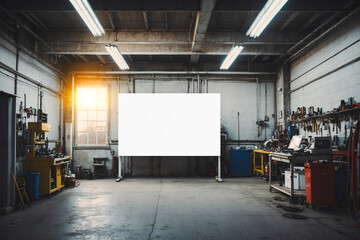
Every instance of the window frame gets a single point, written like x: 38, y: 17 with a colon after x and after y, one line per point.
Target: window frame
x: 76, y: 118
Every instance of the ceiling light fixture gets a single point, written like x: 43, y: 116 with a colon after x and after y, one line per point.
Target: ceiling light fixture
x: 232, y: 55
x: 271, y: 8
x: 116, y: 55
x: 88, y: 16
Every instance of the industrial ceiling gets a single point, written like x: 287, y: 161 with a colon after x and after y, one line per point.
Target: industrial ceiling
x: 184, y: 35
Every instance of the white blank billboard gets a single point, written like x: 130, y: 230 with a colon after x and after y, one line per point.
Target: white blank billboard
x: 169, y: 124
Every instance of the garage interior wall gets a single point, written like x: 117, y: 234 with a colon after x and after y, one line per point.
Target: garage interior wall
x: 45, y: 76
x: 329, y: 72
x: 237, y: 95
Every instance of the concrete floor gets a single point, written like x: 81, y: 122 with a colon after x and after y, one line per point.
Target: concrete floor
x: 241, y: 208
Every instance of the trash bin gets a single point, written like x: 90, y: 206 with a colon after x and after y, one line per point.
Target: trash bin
x: 32, y: 184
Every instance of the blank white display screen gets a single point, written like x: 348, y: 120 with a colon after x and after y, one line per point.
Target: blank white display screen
x: 169, y: 124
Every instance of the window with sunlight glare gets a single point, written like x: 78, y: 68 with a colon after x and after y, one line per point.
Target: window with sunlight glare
x: 92, y: 116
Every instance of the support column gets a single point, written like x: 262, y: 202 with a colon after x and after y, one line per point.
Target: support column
x: 286, y: 85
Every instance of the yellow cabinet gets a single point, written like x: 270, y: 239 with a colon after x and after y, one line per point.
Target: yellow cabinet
x: 52, y: 170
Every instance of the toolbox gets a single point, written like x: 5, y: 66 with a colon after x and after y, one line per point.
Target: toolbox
x: 320, y: 183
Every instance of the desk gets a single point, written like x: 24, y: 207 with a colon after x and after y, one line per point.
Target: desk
x: 292, y: 160
x: 259, y: 168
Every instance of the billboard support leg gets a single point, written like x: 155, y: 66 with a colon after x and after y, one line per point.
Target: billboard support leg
x: 120, y: 177
x: 218, y: 178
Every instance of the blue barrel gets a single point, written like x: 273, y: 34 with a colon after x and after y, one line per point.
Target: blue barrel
x: 32, y: 184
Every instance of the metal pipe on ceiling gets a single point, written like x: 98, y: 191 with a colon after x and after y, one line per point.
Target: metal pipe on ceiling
x: 206, y: 86
x: 192, y: 83
x: 164, y: 78
x: 302, y: 41
x: 201, y: 78
x: 322, y: 62
x: 159, y: 78
x: 27, y: 52
x: 171, y: 72
x: 292, y: 57
x: 239, y: 79
x: 13, y: 71
x: 326, y: 74
x: 32, y: 33
x: 198, y: 83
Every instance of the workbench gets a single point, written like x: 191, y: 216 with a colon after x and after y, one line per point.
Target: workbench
x: 52, y: 172
x: 293, y: 159
x: 52, y: 169
x: 259, y: 168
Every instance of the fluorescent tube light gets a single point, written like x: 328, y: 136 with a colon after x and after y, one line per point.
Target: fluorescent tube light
x: 88, y: 16
x: 271, y: 8
x: 116, y: 55
x: 232, y: 55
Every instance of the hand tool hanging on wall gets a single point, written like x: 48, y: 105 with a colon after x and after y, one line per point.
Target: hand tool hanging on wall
x: 321, y: 128
x: 345, y: 139
x: 303, y: 112
x: 342, y: 105
x: 339, y: 124
x: 309, y: 127
x: 313, y: 126
x: 336, y: 126
x: 311, y: 111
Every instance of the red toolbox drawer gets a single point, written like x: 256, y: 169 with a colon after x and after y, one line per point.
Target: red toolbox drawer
x: 320, y: 183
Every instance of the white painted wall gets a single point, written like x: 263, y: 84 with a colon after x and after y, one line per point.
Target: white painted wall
x: 240, y: 96
x: 340, y: 47
x: 236, y: 96
x: 37, y: 71
x: 342, y: 84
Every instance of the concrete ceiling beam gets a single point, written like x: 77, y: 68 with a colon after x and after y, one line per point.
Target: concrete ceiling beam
x: 201, y: 24
x: 111, y: 21
x: 146, y: 21
x: 84, y: 58
x: 174, y: 66
x: 136, y: 49
x: 289, y: 20
x: 101, y: 58
x: 166, y: 21
x: 118, y: 38
x: 309, y: 21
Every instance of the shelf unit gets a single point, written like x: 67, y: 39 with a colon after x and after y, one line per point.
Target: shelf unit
x: 327, y: 115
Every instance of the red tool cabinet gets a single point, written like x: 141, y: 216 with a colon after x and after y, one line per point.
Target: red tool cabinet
x: 320, y: 183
